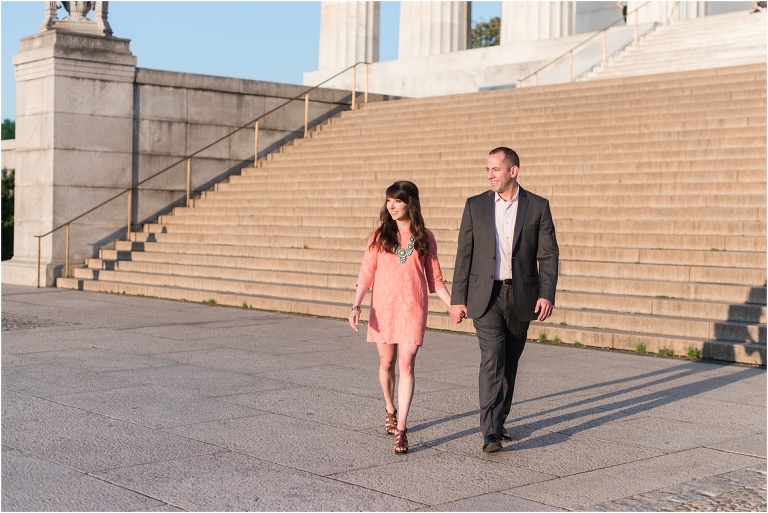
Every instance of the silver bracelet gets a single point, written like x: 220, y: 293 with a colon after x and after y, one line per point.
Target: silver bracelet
x: 356, y: 308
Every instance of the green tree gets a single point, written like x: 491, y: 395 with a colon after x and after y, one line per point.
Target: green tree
x: 6, y: 205
x: 8, y: 129
x: 486, y: 34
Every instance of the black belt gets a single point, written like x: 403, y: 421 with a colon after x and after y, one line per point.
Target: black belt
x: 502, y: 282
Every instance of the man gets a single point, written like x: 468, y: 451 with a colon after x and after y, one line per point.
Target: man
x: 503, y: 233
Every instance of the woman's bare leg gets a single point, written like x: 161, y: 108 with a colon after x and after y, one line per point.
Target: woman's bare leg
x: 387, y: 359
x: 407, y: 361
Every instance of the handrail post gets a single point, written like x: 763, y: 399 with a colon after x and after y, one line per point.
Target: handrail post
x: 255, y: 143
x: 354, y: 76
x: 605, y: 46
x: 536, y: 79
x: 365, y: 99
x: 636, y: 22
x: 130, y: 215
x: 66, y: 255
x: 38, y: 260
x: 570, y: 66
x: 306, y: 114
x: 189, y: 177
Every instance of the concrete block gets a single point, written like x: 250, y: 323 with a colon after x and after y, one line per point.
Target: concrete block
x: 160, y: 137
x: 159, y: 103
x: 85, y: 132
x: 214, y: 108
x: 201, y: 135
x: 93, y: 97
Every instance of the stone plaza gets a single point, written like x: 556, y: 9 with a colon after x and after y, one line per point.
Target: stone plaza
x: 113, y: 402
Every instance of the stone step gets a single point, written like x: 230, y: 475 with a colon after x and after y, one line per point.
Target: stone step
x: 660, y: 128
x: 329, y: 292
x: 685, y: 191
x: 579, y: 227
x: 343, y: 275
x: 666, y: 172
x: 364, y: 207
x: 749, y: 353
x: 641, y: 285
x: 169, y: 252
x: 673, y: 274
x: 605, y: 240
x: 606, y: 213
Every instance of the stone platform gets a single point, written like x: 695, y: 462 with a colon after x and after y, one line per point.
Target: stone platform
x: 114, y: 402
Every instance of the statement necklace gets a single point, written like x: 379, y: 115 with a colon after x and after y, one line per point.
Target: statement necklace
x: 405, y: 252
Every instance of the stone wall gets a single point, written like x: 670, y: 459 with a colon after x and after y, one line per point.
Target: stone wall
x: 8, y: 157
x: 90, y: 124
x: 176, y: 114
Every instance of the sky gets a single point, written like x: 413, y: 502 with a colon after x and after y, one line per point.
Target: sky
x: 271, y: 41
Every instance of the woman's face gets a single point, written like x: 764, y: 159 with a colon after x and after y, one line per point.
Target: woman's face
x: 397, y: 209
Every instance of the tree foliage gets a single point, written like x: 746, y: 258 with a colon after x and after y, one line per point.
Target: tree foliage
x: 486, y: 34
x: 6, y: 205
x: 8, y: 129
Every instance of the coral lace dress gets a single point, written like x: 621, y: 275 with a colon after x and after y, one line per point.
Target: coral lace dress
x: 399, y: 298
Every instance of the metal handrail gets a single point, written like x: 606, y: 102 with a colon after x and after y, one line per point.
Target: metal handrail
x: 603, y: 31
x: 188, y: 158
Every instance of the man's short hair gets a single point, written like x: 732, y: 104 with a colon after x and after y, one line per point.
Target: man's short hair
x: 510, y: 156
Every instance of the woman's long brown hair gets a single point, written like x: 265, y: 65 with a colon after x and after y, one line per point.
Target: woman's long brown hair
x: 385, y: 236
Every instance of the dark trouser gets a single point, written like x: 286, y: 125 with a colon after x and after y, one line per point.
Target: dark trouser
x: 502, y: 339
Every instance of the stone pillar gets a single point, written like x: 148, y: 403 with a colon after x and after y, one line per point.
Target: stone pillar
x: 431, y: 28
x: 349, y: 33
x: 74, y: 126
x: 534, y: 21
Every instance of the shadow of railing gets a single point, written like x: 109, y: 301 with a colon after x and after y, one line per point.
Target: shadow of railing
x: 601, y: 408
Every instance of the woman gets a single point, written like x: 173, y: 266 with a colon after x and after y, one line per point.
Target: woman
x: 401, y: 258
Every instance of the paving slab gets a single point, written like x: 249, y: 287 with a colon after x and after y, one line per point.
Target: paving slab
x: 229, y: 481
x: 301, y: 444
x: 329, y: 406
x: 21, y: 408
x: 176, y: 406
x: 235, y: 360
x: 200, y: 381
x: 94, y: 442
x: 153, y: 406
x: 46, y: 380
x: 491, y: 502
x: 580, y: 491
x: 416, y: 478
x: 665, y: 435
x: 32, y: 484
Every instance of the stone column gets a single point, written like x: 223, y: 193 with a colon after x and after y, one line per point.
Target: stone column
x: 74, y: 126
x: 534, y: 21
x: 431, y: 28
x: 349, y: 33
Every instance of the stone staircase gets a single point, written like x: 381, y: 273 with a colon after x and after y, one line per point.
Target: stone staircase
x: 731, y: 39
x: 657, y: 186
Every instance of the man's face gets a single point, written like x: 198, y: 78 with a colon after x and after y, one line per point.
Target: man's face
x: 503, y: 179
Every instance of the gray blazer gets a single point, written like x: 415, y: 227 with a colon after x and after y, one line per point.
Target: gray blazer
x: 534, y: 240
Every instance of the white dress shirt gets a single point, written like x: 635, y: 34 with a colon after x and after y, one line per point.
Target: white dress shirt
x: 505, y: 216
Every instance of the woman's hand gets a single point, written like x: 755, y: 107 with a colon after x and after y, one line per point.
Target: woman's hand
x: 354, y: 318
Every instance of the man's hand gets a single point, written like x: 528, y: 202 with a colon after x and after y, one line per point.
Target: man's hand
x: 458, y: 312
x: 543, y: 308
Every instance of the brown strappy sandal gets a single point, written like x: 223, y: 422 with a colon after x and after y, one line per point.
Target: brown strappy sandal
x: 390, y: 424
x: 401, y: 441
